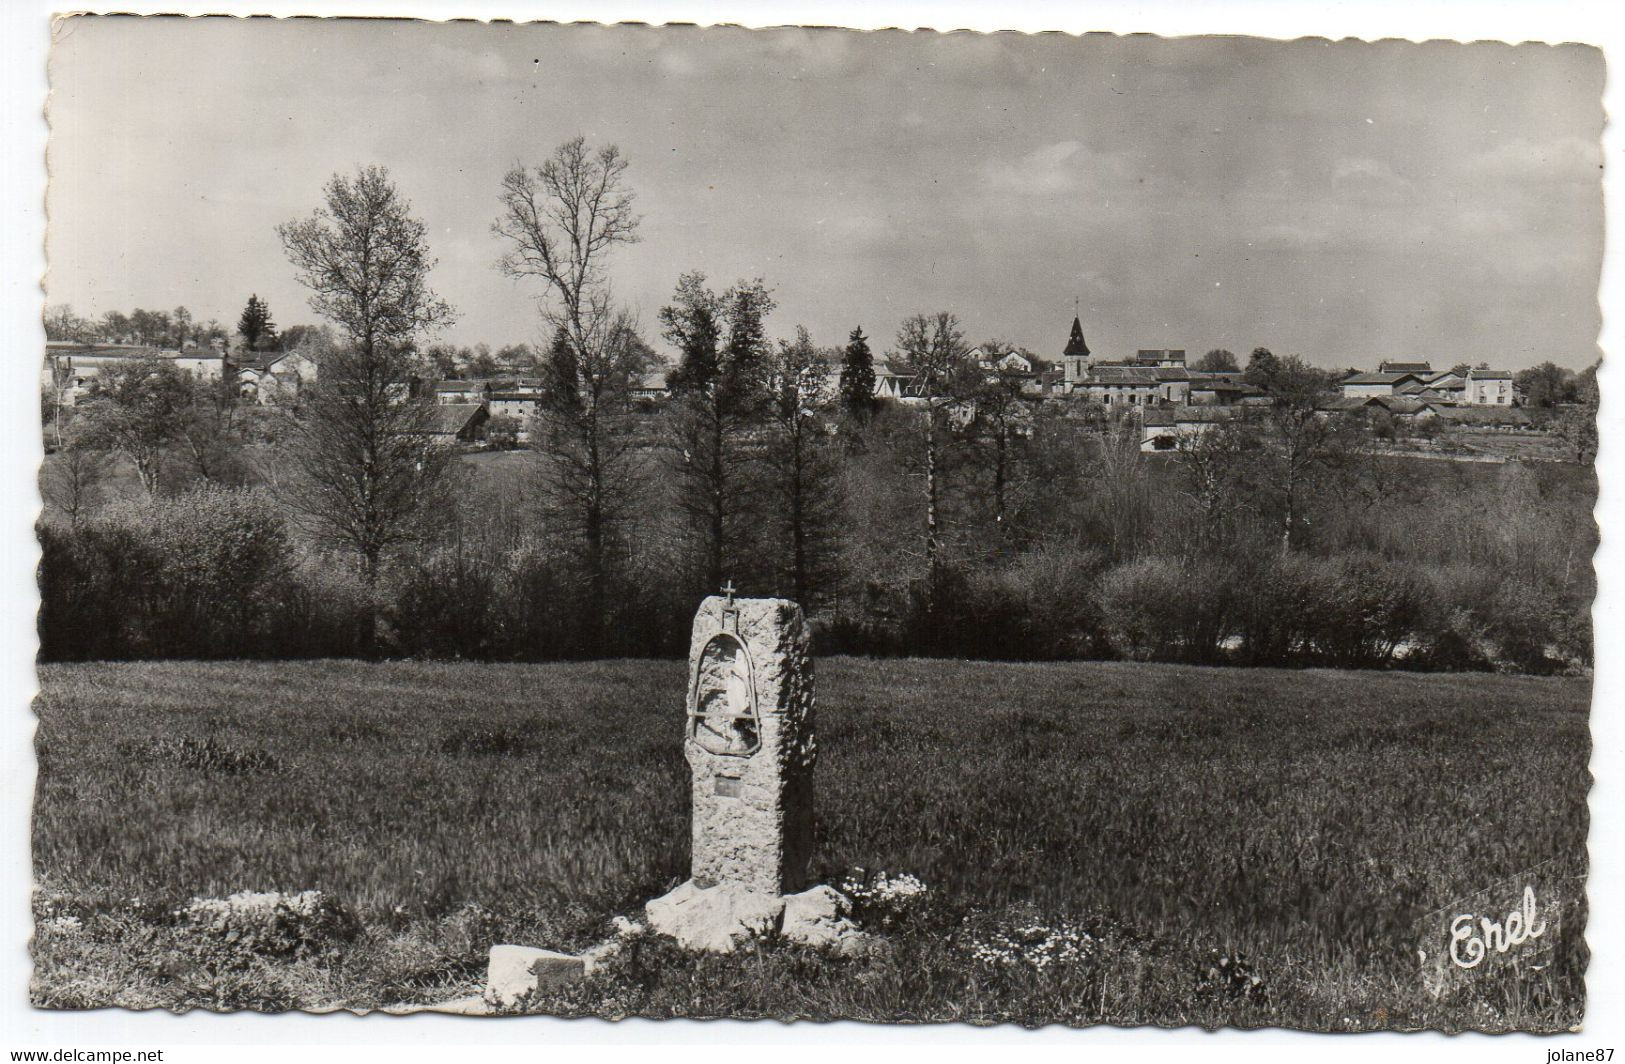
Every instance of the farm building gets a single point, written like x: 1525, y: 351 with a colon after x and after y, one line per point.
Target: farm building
x: 1360, y: 385
x: 1171, y: 428
x: 453, y: 423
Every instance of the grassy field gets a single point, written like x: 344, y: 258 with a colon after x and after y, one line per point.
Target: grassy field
x: 1165, y: 814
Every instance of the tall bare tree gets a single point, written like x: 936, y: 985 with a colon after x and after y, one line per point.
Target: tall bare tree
x: 369, y: 475
x: 1301, y: 439
x: 932, y: 349
x: 560, y: 222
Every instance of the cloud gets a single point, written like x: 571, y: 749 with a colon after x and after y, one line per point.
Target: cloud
x: 1563, y: 159
x: 1283, y: 235
x: 1050, y: 170
x: 1366, y: 180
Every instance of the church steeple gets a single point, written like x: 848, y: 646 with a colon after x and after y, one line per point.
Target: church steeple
x: 1075, y: 347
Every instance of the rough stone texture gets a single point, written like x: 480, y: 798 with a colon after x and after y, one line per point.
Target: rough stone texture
x: 714, y: 919
x: 819, y: 917
x: 752, y: 780
x: 514, y: 971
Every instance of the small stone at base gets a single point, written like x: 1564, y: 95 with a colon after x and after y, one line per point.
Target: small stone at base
x: 514, y: 971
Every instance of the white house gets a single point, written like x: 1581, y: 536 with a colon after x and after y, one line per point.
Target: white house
x: 1173, y: 428
x: 1488, y: 387
x: 889, y: 383
x: 70, y: 366
x: 1011, y: 361
x: 275, y: 378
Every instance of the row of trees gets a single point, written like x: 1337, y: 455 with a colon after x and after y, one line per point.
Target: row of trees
x: 925, y: 528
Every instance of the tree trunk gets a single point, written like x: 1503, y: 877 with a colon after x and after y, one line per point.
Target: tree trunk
x: 798, y: 531
x: 718, y: 506
x: 1000, y: 459
x: 931, y: 488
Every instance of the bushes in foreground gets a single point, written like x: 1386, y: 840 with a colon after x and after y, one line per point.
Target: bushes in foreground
x: 1347, y: 611
x: 218, y: 574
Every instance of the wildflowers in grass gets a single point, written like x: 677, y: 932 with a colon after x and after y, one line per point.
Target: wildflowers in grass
x: 1229, y: 977
x: 881, y: 900
x: 270, y: 922
x: 1036, y: 945
x: 63, y: 925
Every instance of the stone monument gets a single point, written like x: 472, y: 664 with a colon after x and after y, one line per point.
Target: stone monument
x: 749, y: 743
x: 748, y: 739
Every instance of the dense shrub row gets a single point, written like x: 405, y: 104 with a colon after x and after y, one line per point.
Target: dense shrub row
x: 1095, y: 551
x: 217, y: 574
x: 1352, y: 611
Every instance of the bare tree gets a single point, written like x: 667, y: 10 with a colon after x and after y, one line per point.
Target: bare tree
x: 932, y: 348
x: 560, y: 221
x: 1216, y: 459
x: 369, y: 476
x: 999, y: 418
x: 73, y: 478
x: 138, y: 408
x: 1301, y: 438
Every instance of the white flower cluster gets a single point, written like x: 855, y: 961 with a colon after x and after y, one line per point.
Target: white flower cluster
x: 882, y: 888
x: 1037, y: 945
x: 63, y: 925
x: 247, y: 906
x: 270, y: 921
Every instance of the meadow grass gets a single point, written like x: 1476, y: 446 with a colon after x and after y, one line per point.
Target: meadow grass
x: 1302, y: 819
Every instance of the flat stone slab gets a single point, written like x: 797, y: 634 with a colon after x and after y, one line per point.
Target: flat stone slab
x: 515, y: 971
x: 715, y: 919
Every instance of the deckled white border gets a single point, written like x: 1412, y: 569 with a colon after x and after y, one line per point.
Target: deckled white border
x: 23, y: 44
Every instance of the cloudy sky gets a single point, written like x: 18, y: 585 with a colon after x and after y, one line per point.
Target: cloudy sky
x: 1343, y: 201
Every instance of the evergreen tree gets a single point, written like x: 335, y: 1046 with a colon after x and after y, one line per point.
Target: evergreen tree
x: 719, y: 396
x: 255, y: 326
x: 858, y: 375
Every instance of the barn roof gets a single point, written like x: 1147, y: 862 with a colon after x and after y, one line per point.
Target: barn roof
x: 449, y: 419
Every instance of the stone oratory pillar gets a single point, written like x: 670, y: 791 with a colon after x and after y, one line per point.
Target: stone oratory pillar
x: 749, y: 744
x: 748, y: 738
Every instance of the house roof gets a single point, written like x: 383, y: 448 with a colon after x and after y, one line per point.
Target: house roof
x: 449, y: 419
x: 1075, y: 347
x: 1404, y: 367
x: 1165, y: 416
x: 1377, y: 378
x: 1136, y: 375
x: 1397, y: 404
x: 1344, y: 402
x: 1202, y: 384
x: 1483, y: 415
x: 1161, y: 354
x: 1489, y: 375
